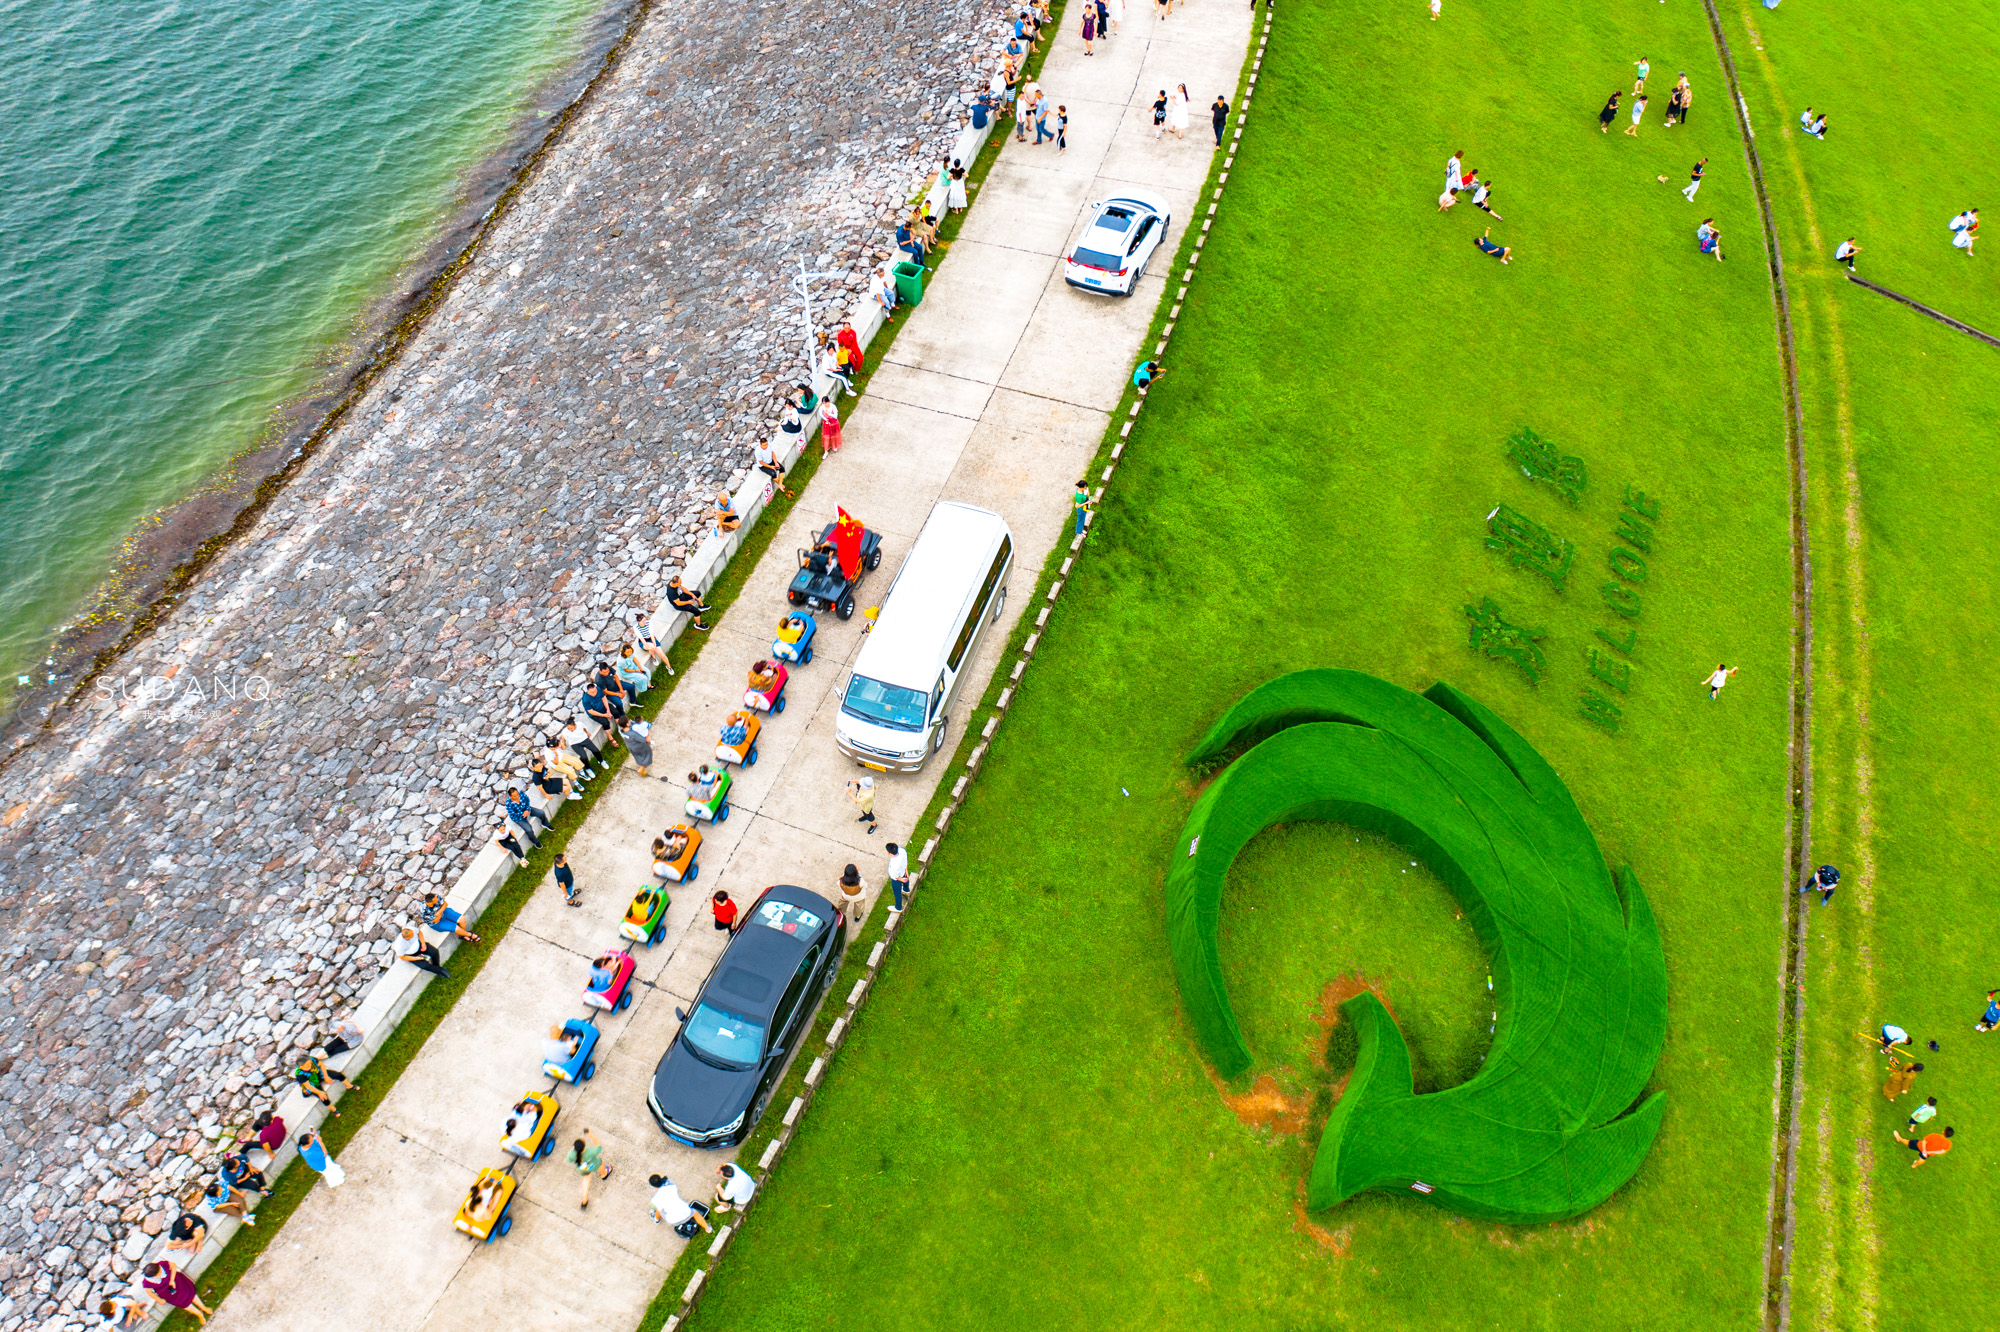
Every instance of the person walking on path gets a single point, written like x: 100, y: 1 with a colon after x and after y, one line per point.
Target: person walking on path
x: 862, y: 792
x: 566, y: 880
x: 175, y: 1287
x: 311, y: 1074
x: 1160, y: 108
x: 829, y: 425
x: 1826, y: 879
x: 1931, y: 1144
x: 639, y: 744
x: 899, y: 875
x: 1218, y: 115
x: 1089, y: 28
x: 725, y: 911
x: 852, y: 894
x: 1062, y: 130
x: 1638, y: 113
x: 1482, y: 196
x: 1116, y: 9
x: 313, y: 1151
x: 1610, y: 111
x: 1694, y: 179
x: 420, y: 953
x: 1899, y: 1081
x: 1844, y: 253
x: 1639, y: 84
x: 1923, y: 1114
x: 1080, y: 500
x: 1720, y: 675
x: 1991, y: 1017
x: 1179, y: 110
x: 586, y: 1156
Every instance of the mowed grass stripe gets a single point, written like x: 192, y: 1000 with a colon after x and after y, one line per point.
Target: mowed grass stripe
x: 1021, y: 1129
x: 1901, y: 432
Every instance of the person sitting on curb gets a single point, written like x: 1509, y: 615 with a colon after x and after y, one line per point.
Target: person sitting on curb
x: 503, y: 837
x: 1147, y: 372
x: 444, y: 920
x: 311, y: 1075
x: 724, y: 516
x: 766, y: 460
x: 736, y: 1188
x: 687, y: 600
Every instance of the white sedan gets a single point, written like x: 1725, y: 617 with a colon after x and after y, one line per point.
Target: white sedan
x: 1117, y: 241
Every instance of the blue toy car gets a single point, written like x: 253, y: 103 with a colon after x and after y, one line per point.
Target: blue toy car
x: 795, y: 636
x: 580, y: 1066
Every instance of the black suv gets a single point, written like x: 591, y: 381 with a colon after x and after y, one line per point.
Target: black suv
x: 714, y: 1081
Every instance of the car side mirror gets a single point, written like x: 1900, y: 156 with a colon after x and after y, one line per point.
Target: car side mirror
x: 778, y: 1053
x: 681, y: 1014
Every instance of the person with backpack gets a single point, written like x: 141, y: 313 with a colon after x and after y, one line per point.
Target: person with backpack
x: 1826, y: 878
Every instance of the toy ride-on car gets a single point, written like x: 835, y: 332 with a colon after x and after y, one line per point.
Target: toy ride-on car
x: 738, y: 741
x: 681, y: 868
x: 483, y: 1214
x: 795, y: 637
x: 614, y: 991
x: 716, y: 808
x: 822, y: 584
x: 765, y: 688
x: 646, y: 918
x: 581, y: 1065
x: 531, y: 1138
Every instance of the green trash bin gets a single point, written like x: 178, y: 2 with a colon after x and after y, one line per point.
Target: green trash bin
x: 910, y: 283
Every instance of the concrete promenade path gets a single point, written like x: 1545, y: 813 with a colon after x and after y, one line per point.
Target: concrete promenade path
x: 996, y: 392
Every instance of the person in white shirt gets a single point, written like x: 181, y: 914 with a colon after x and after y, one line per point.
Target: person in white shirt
x: 736, y: 1188
x: 1453, y: 169
x: 580, y: 744
x: 1718, y: 678
x: 1479, y: 200
x: 899, y: 874
x: 676, y: 1211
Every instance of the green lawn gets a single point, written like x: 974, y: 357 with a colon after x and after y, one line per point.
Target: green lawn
x: 1021, y: 1130
x: 1900, y: 426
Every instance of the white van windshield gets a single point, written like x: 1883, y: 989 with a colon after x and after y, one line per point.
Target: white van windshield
x: 886, y: 704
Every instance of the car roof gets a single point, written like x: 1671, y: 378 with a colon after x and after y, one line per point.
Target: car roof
x: 941, y: 573
x: 750, y: 976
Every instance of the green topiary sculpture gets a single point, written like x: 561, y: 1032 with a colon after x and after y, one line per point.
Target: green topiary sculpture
x: 1548, y: 1128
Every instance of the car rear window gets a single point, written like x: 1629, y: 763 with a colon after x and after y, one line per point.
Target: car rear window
x: 788, y: 917
x: 1110, y: 263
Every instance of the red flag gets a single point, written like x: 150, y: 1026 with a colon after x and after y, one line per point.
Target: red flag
x: 847, y: 543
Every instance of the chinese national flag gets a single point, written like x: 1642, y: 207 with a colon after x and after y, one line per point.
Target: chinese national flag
x: 847, y: 543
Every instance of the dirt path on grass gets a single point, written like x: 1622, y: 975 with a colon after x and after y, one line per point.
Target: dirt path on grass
x: 1850, y: 675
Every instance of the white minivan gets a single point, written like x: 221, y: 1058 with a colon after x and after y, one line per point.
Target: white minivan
x: 951, y: 586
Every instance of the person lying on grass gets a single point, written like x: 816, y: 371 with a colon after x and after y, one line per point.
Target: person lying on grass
x: 1504, y: 253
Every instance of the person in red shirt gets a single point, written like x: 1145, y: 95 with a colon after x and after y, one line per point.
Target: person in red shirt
x: 847, y: 338
x: 725, y: 911
x: 1931, y: 1144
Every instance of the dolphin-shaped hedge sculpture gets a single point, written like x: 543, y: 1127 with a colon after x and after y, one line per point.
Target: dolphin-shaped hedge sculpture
x: 1548, y: 1128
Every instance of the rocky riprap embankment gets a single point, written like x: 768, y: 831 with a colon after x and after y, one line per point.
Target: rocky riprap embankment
x: 195, y: 884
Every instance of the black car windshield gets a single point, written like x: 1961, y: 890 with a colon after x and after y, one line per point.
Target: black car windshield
x: 724, y: 1038
x: 886, y: 704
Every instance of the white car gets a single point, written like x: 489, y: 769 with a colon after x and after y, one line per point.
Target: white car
x: 1117, y: 241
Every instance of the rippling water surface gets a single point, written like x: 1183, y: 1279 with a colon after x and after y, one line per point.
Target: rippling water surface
x: 198, y: 201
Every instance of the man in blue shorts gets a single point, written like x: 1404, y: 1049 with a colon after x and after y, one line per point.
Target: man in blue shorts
x: 1991, y: 1017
